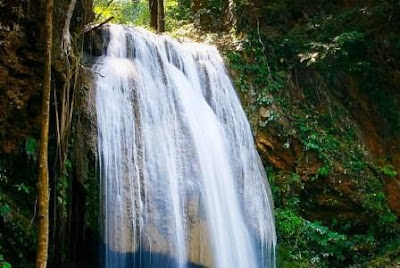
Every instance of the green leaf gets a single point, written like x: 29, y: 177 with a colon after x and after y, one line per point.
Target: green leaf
x: 31, y: 148
x: 4, y: 209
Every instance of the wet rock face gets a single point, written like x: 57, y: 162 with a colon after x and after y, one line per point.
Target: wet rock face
x: 20, y: 72
x: 21, y: 64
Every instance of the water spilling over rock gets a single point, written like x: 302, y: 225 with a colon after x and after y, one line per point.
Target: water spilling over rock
x: 182, y: 183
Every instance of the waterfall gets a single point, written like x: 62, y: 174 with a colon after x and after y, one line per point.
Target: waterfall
x: 182, y: 184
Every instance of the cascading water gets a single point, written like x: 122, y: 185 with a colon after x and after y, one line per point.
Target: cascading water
x: 182, y: 183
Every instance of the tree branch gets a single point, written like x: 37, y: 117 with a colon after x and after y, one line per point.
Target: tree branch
x: 66, y: 35
x: 92, y: 27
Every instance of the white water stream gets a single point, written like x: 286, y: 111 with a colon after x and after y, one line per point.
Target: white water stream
x: 180, y: 174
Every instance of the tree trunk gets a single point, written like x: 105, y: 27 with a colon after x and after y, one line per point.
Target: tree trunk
x: 43, y: 181
x: 153, y: 6
x: 160, y: 17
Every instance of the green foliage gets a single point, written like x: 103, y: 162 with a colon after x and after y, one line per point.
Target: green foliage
x: 136, y: 12
x: 22, y: 188
x: 389, y: 256
x: 3, y: 263
x: 310, y: 243
x: 177, y: 14
x: 92, y: 205
x: 318, y: 139
x: 374, y: 202
x: 389, y: 170
x: 31, y: 148
x: 4, y: 209
x: 17, y: 240
x: 250, y: 61
x: 256, y: 78
x: 324, y: 171
x: 17, y: 205
x: 304, y: 243
x: 124, y: 11
x: 345, y: 48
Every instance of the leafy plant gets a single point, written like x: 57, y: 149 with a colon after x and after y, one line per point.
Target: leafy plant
x: 324, y: 171
x: 310, y: 240
x: 31, y: 148
x: 389, y: 170
x: 4, y: 209
x: 3, y: 263
x: 22, y: 188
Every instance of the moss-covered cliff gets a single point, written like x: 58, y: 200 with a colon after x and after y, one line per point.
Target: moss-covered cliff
x: 321, y: 85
